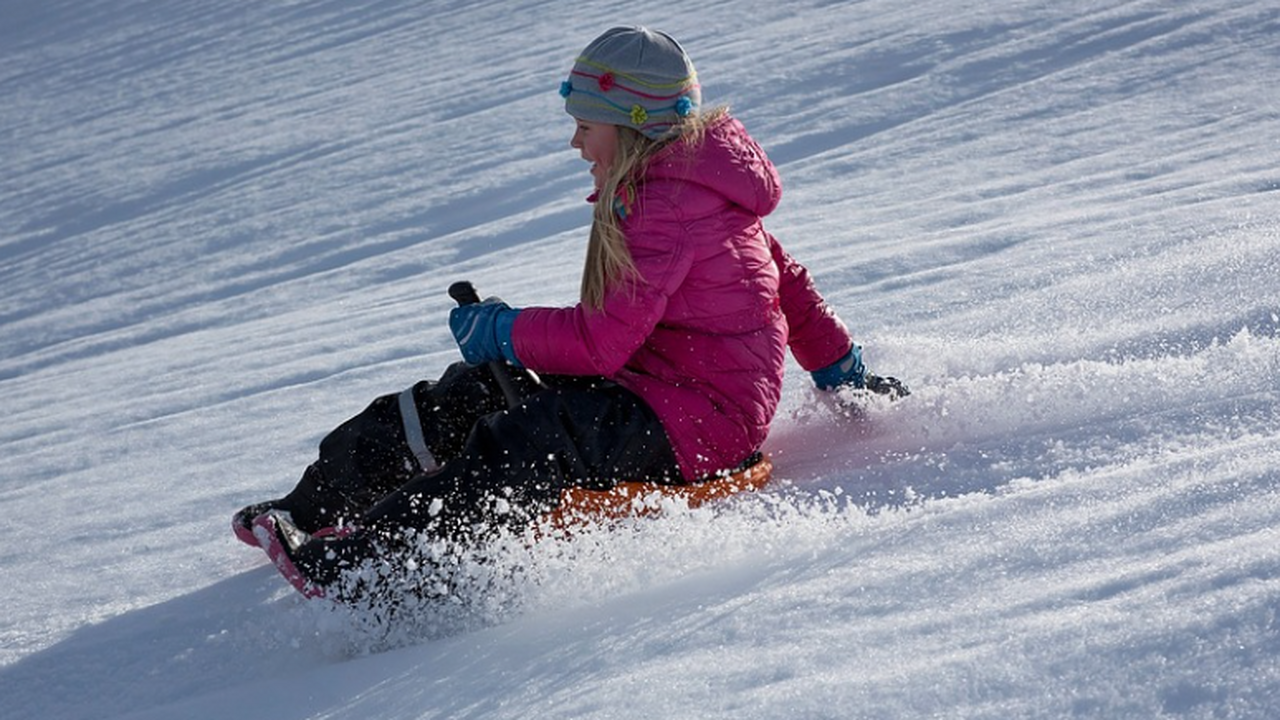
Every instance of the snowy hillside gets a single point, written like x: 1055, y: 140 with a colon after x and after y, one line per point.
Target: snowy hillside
x: 226, y: 227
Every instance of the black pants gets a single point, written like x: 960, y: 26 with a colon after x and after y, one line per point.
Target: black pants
x: 484, y: 465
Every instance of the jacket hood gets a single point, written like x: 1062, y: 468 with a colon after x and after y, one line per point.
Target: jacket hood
x: 728, y: 162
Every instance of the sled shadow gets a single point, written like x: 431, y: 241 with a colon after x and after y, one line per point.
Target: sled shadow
x: 223, y: 635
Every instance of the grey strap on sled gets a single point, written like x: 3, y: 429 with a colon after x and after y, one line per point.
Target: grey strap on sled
x: 413, y: 432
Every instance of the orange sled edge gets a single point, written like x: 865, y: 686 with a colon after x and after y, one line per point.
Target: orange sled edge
x: 580, y: 506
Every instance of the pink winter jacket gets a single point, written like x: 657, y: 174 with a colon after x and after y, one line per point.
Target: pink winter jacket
x: 701, y: 336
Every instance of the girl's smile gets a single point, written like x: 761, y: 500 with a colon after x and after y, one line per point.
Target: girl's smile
x: 598, y: 145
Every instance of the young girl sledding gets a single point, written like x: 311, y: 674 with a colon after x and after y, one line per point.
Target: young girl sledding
x: 668, y: 370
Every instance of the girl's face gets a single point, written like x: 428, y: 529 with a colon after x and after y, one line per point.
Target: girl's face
x: 598, y: 144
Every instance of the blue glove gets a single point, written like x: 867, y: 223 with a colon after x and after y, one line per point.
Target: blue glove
x: 483, y: 331
x: 847, y: 371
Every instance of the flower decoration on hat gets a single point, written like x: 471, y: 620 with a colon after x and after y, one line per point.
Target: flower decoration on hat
x: 636, y: 77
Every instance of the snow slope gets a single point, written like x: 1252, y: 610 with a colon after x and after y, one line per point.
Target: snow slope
x: 225, y: 227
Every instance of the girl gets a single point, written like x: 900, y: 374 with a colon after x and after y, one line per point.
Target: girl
x: 668, y: 370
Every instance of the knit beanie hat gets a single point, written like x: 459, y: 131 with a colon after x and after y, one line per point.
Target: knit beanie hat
x: 635, y: 77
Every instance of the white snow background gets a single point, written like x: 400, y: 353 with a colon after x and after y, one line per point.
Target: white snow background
x: 225, y: 227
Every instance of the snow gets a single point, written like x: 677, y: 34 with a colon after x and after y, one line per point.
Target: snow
x: 225, y: 228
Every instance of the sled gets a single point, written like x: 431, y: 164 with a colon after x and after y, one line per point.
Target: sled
x: 580, y: 506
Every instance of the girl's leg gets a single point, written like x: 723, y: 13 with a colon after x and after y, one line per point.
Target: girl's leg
x: 580, y: 432
x: 392, y: 440
x: 512, y: 467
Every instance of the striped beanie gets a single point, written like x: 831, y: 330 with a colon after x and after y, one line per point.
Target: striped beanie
x: 635, y: 77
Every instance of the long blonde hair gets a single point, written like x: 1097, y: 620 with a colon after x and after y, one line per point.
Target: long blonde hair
x: 608, y: 260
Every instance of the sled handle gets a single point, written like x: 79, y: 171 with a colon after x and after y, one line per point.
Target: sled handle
x: 464, y: 293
